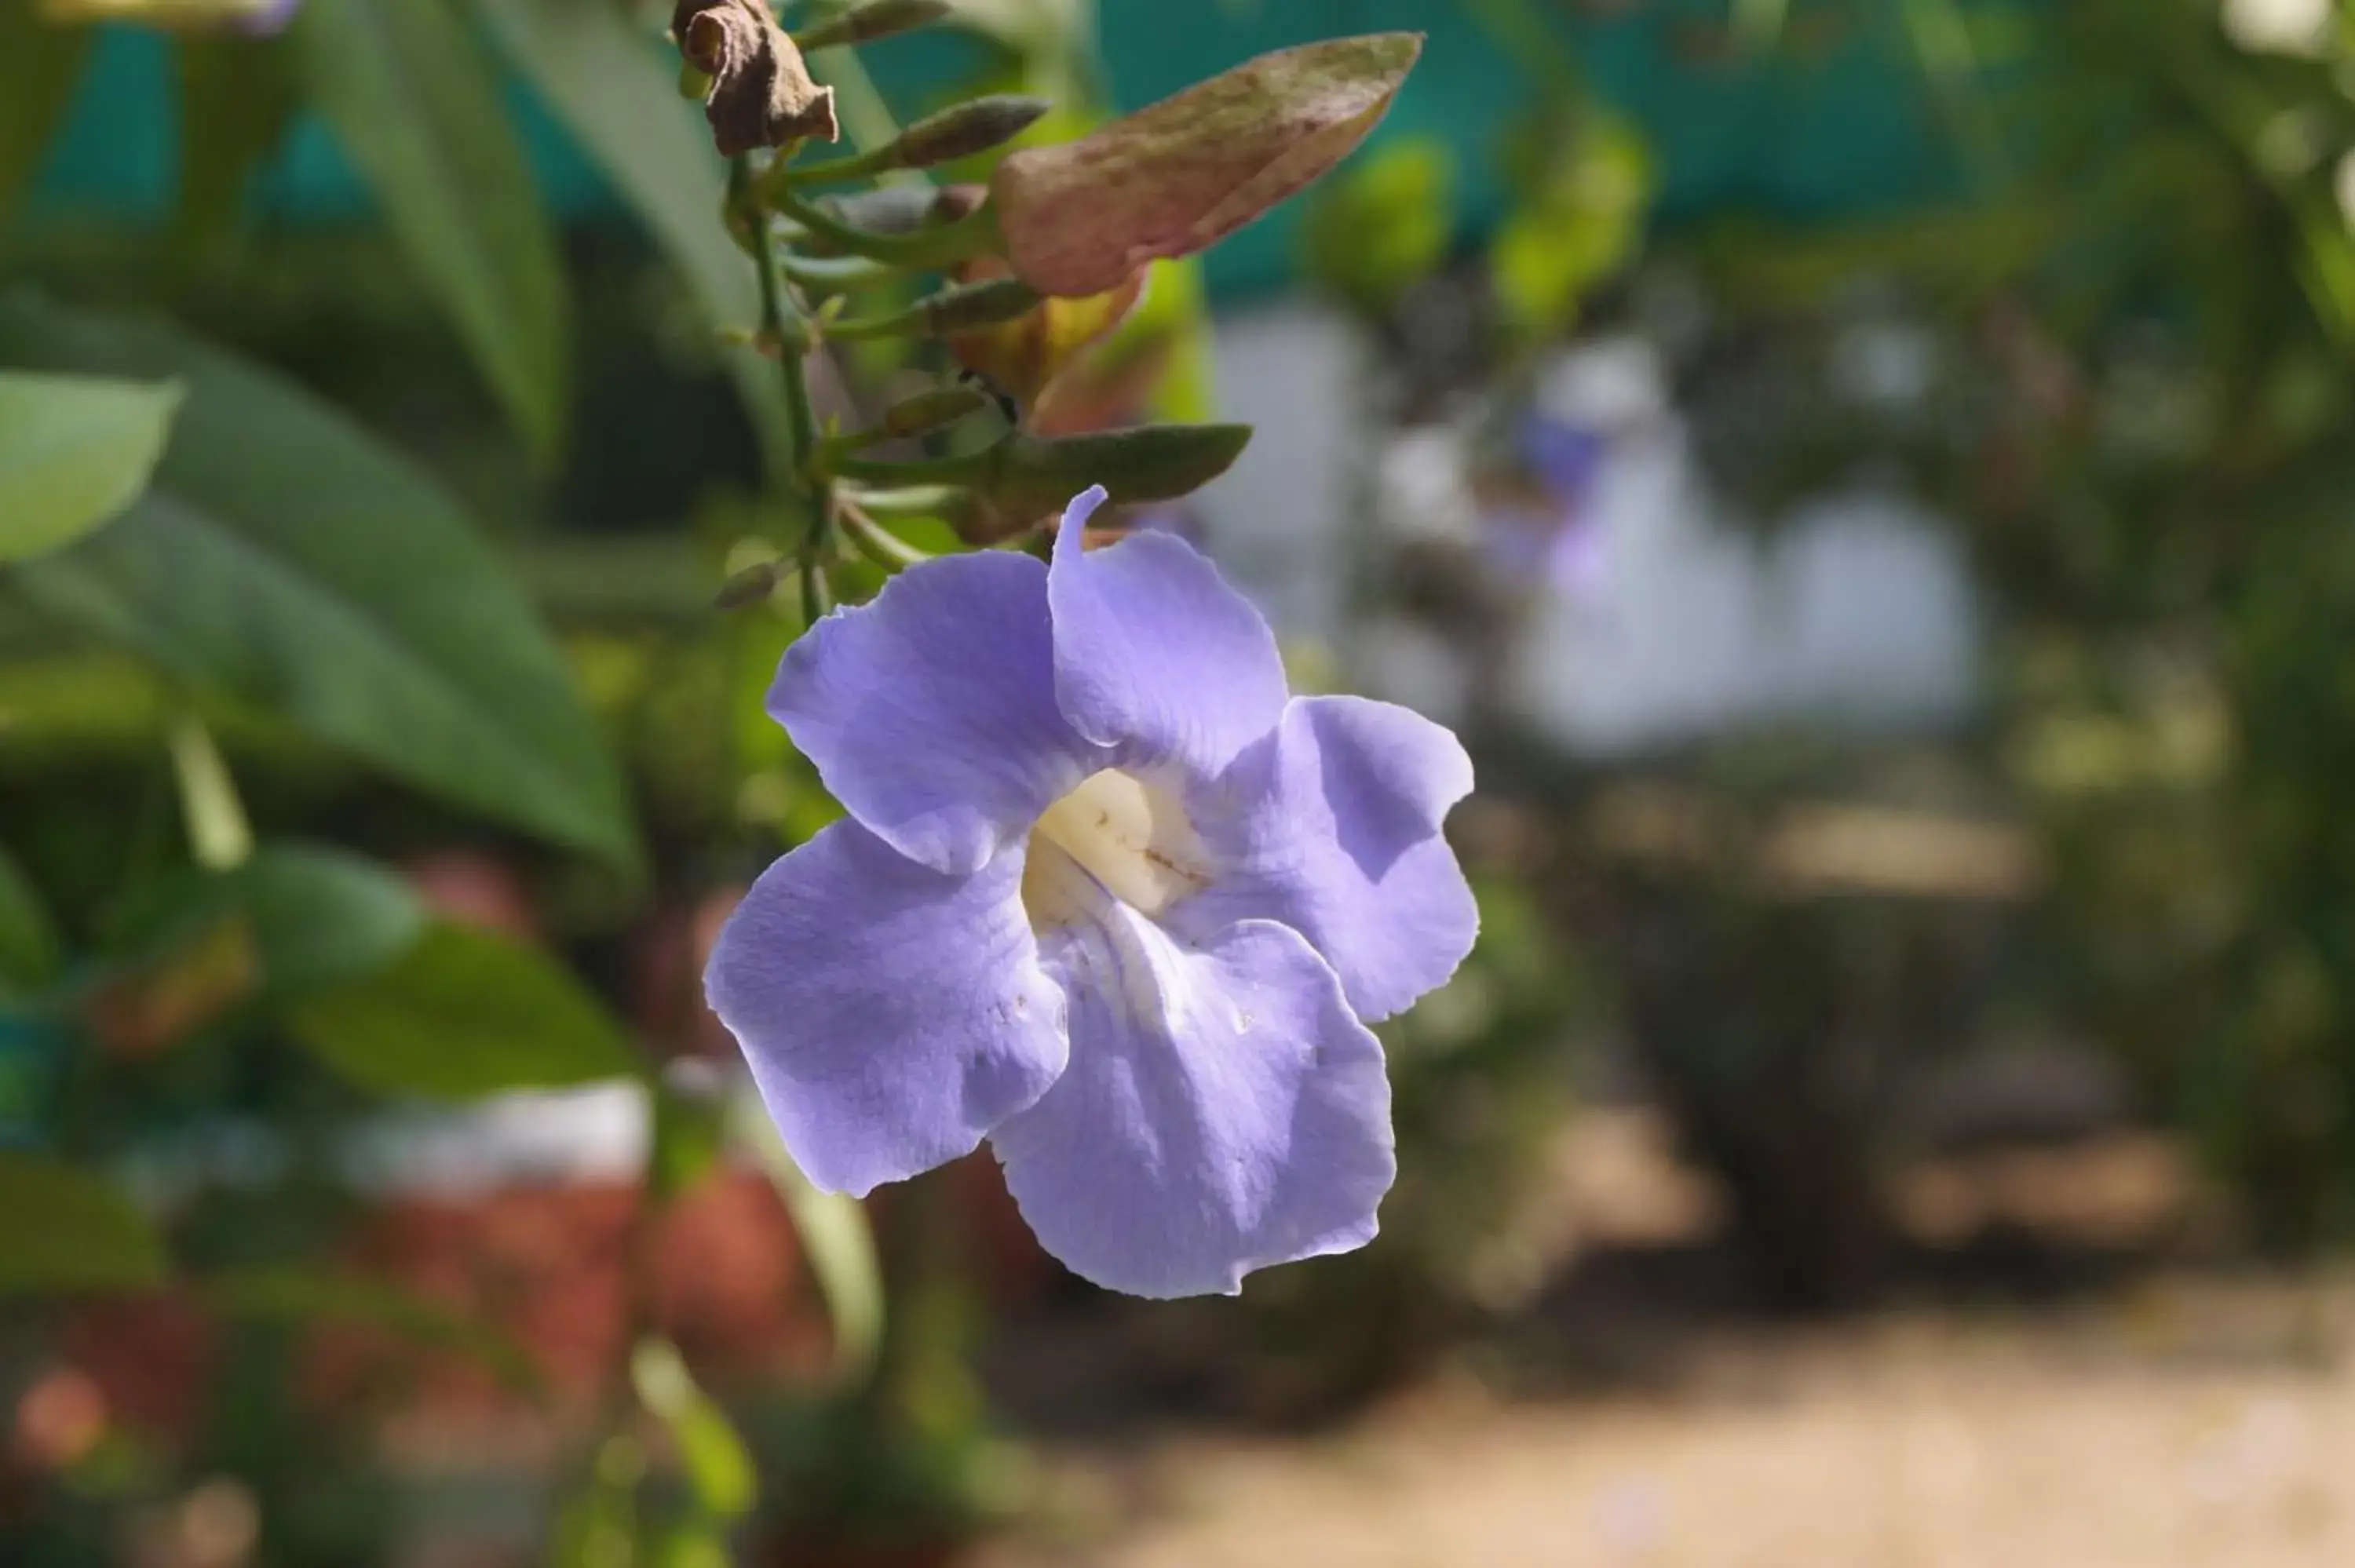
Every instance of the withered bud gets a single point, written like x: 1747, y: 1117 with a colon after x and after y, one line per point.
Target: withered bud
x: 962, y: 307
x: 876, y: 19
x: 974, y: 126
x: 931, y: 410
x: 750, y: 586
x: 762, y: 94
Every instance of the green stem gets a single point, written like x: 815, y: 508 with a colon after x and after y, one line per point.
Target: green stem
x: 963, y: 467
x: 834, y: 275
x: 884, y: 548
x: 781, y: 322
x: 939, y: 245
x: 915, y: 501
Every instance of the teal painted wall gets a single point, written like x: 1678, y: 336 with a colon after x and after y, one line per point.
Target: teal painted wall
x: 1836, y: 123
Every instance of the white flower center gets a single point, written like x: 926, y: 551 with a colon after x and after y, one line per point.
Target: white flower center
x: 1116, y: 834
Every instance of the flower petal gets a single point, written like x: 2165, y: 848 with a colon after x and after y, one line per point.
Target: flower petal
x: 1154, y: 653
x: 930, y: 713
x: 1332, y: 827
x: 892, y: 1014
x: 1223, y: 1111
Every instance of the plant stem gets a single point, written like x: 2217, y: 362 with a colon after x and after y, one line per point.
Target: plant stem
x: 781, y: 322
x: 871, y: 540
x: 934, y: 246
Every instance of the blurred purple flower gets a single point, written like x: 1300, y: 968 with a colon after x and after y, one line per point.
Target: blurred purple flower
x: 1561, y: 543
x: 1108, y: 896
x: 1565, y: 459
x: 269, y: 17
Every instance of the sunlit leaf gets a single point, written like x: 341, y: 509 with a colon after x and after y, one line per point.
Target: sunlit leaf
x: 464, y: 1013
x: 718, y: 1469
x: 74, y: 452
x: 63, y: 1228
x: 416, y: 104
x: 286, y: 558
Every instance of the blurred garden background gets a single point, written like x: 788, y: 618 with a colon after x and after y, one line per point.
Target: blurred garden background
x: 1871, y: 481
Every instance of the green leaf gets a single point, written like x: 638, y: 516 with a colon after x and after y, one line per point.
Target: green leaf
x: 234, y: 109
x: 305, y: 1295
x: 718, y: 1469
x: 417, y: 106
x: 219, y: 837
x: 64, y: 1228
x: 284, y: 558
x: 74, y: 452
x: 314, y: 917
x: 464, y: 1013
x: 615, y: 90
x: 28, y: 943
x: 324, y: 917
x: 836, y: 1239
x: 40, y: 66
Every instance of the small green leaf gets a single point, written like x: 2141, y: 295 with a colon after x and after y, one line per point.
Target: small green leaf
x: 718, y: 1469
x: 219, y: 837
x: 40, y: 66
x: 74, y: 452
x: 417, y: 106
x: 613, y: 89
x: 464, y: 1013
x: 283, y: 557
x: 63, y: 1228
x: 28, y: 943
x: 304, y: 1295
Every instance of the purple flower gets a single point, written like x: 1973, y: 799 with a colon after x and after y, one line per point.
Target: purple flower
x: 1108, y: 896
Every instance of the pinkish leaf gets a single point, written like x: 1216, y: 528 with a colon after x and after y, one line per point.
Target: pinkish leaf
x: 1174, y: 178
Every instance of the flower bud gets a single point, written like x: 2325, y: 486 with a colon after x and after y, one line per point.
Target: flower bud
x: 963, y: 307
x: 876, y: 19
x: 750, y: 586
x: 931, y: 410
x: 965, y: 129
x: 1030, y: 477
x: 1175, y: 178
